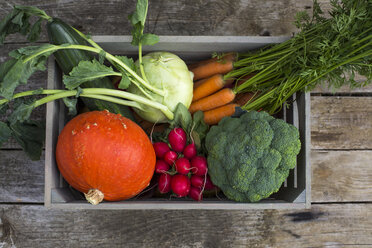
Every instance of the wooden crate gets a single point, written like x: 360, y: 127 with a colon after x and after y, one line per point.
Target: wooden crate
x: 295, y: 193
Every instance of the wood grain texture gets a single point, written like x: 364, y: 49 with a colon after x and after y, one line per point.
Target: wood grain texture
x: 341, y: 122
x: 341, y: 176
x: 336, y: 225
x: 21, y: 180
x: 182, y: 17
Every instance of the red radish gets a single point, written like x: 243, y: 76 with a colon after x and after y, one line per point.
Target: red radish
x: 183, y: 166
x: 170, y: 157
x: 197, y: 181
x: 177, y: 139
x: 196, y: 194
x: 180, y: 185
x: 208, y: 184
x: 164, y: 183
x: 161, y: 148
x: 190, y: 151
x: 161, y: 166
x: 199, y: 166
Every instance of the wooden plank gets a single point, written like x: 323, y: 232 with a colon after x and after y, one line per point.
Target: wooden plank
x: 21, y: 180
x: 335, y: 225
x: 341, y: 176
x: 323, y: 88
x: 337, y: 176
x: 341, y: 122
x: 183, y: 17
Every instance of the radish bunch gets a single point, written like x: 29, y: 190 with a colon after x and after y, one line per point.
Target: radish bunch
x: 181, y: 170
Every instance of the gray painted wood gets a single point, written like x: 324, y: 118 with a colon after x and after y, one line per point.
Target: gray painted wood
x: 341, y: 122
x: 341, y: 176
x: 182, y: 17
x: 336, y: 225
x: 21, y: 180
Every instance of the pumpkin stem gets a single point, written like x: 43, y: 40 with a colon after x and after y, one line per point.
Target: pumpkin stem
x: 94, y: 196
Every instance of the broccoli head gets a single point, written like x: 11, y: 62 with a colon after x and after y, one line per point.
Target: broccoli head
x: 250, y: 157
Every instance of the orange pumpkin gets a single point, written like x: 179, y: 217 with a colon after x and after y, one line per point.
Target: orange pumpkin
x: 105, y: 155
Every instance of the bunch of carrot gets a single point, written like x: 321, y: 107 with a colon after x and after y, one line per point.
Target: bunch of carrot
x: 213, y: 93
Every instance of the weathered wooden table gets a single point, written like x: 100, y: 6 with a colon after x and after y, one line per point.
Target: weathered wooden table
x: 341, y: 157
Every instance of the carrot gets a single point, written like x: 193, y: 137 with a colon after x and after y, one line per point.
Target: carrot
x: 199, y: 82
x: 209, y: 86
x: 199, y: 63
x: 216, y: 66
x: 213, y: 59
x: 213, y: 116
x: 218, y: 99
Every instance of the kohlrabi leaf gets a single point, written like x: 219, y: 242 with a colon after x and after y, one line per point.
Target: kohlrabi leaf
x: 5, y: 133
x: 13, y: 73
x: 35, y: 31
x: 139, y: 15
x: 21, y: 113
x: 124, y: 82
x: 78, y: 92
x: 32, y: 11
x: 37, y: 91
x: 37, y: 51
x: 149, y: 39
x: 3, y: 108
x: 71, y: 105
x: 138, y: 19
x: 17, y: 21
x: 30, y: 136
x: 87, y: 71
x: 136, y: 34
x: 127, y: 61
x: 101, y: 56
x: 24, y: 63
x: 7, y: 26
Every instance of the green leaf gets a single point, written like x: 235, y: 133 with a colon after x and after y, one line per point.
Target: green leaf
x: 86, y: 71
x: 38, y: 91
x: 16, y: 71
x: 6, y: 25
x: 127, y: 61
x: 30, y: 135
x: 182, y: 118
x: 21, y: 113
x: 71, y: 105
x: 136, y: 34
x: 3, y: 108
x: 18, y: 21
x: 139, y: 15
x: 42, y: 50
x: 124, y: 82
x: 32, y: 11
x: 13, y: 73
x: 101, y: 56
x: 35, y: 31
x: 78, y: 92
x: 149, y: 39
x: 199, y: 129
x: 5, y: 133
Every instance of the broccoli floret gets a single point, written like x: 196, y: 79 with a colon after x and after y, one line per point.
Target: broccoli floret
x: 250, y: 157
